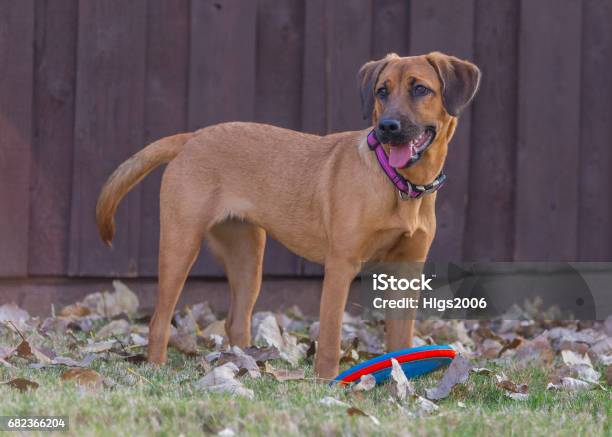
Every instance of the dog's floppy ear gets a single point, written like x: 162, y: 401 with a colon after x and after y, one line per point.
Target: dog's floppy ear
x: 459, y: 79
x: 367, y: 76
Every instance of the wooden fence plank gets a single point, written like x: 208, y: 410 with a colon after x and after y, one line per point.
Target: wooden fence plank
x: 595, y: 218
x: 489, y: 227
x: 447, y: 26
x: 548, y: 130
x: 314, y: 85
x: 51, y: 178
x: 222, y: 74
x: 108, y: 129
x: 314, y: 77
x: 348, y: 48
x: 278, y: 91
x: 165, y: 107
x: 16, y: 59
x: 390, y: 28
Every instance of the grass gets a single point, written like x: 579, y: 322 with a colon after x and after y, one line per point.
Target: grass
x: 163, y: 401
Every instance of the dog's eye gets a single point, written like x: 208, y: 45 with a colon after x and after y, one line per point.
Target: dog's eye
x: 382, y: 92
x: 420, y: 91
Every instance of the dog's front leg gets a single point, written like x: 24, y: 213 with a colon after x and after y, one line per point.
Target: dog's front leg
x: 338, y: 277
x: 413, y: 249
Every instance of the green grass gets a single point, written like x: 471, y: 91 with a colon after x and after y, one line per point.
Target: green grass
x: 163, y: 401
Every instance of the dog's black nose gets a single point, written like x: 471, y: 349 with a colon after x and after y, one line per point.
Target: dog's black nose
x: 389, y: 126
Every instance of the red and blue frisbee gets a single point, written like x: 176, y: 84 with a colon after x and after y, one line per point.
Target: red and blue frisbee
x: 415, y: 362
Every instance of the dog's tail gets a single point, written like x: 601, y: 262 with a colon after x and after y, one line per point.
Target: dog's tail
x: 129, y: 174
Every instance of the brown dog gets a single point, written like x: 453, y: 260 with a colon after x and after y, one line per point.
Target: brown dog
x: 325, y: 198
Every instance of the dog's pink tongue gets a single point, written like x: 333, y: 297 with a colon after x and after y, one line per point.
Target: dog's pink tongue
x: 400, y: 155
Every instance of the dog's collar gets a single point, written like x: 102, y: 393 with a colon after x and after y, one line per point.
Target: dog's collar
x: 407, y: 190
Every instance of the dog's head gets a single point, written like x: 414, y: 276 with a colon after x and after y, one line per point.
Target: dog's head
x: 411, y: 100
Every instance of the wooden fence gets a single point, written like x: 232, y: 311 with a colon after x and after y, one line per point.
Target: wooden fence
x: 84, y: 84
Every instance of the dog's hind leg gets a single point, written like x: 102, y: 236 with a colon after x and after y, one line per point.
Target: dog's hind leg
x: 183, y: 224
x: 240, y: 247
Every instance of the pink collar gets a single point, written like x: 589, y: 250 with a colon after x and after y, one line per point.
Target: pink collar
x: 407, y: 190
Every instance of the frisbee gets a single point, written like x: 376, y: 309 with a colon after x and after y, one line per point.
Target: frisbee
x: 415, y: 362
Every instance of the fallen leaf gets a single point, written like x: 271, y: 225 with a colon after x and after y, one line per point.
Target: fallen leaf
x: 75, y: 310
x: 101, y: 346
x: 457, y: 373
x: 512, y: 387
x: 195, y: 318
x: 508, y: 345
x: 284, y: 374
x: 482, y: 371
x: 21, y: 384
x: 241, y: 360
x: 57, y: 325
x: 517, y: 396
x: 28, y: 351
x: 268, y: 333
x: 263, y: 354
x: 570, y: 384
x: 536, y: 352
x: 399, y: 386
x: 6, y: 352
x: 184, y: 342
x: 66, y: 361
x: 222, y: 379
x: 424, y: 406
x: 136, y: 359
x: 115, y: 328
x: 83, y: 377
x: 10, y: 312
x: 215, y: 328
x: 571, y: 358
x: 366, y: 383
x: 121, y: 301
x: 328, y: 401
x: 354, y: 411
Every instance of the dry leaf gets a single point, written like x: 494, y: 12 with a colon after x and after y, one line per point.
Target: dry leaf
x: 424, y: 406
x: 195, y: 318
x: 512, y: 387
x: 571, y: 358
x: 268, y: 332
x: 570, y: 384
x: 30, y: 352
x: 215, y: 328
x: 366, y: 383
x: 457, y: 373
x: 185, y: 343
x: 22, y: 384
x: 101, y: 346
x: 121, y: 301
x: 284, y: 374
x: 114, y: 329
x: 517, y: 396
x: 354, y: 411
x: 83, y: 377
x: 399, y: 386
x: 75, y: 310
x: 222, y: 379
x: 328, y: 401
x: 536, y: 352
x: 263, y: 354
x: 508, y: 345
x: 12, y: 313
x: 241, y: 360
x: 608, y: 373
